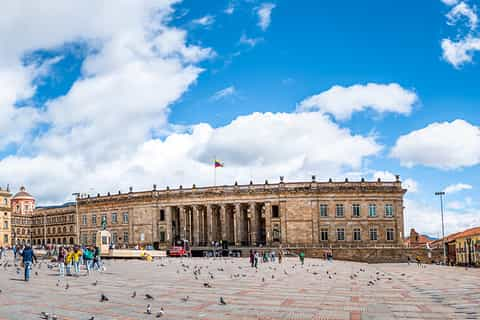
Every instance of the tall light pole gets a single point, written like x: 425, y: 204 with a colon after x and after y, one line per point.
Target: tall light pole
x: 441, y: 194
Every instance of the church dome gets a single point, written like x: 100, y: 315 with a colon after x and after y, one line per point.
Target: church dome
x: 22, y: 194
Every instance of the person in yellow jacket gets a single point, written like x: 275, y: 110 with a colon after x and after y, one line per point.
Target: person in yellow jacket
x: 76, y: 260
x: 69, y: 261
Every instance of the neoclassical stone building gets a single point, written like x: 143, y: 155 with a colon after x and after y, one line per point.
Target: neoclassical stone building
x: 309, y: 213
x: 319, y: 214
x: 5, y: 216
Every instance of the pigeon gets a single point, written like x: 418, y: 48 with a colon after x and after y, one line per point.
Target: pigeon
x: 149, y: 309
x: 95, y: 283
x: 45, y: 315
x: 92, y: 318
x: 207, y: 285
x: 148, y: 297
x: 134, y: 294
x: 67, y: 286
x: 58, y: 283
x: 222, y: 302
x: 103, y: 298
x: 160, y: 313
x: 185, y: 299
x: 36, y: 273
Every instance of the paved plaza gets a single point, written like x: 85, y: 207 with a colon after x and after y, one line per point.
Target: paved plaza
x: 318, y: 290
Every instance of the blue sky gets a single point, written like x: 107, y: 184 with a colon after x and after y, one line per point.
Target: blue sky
x: 95, y: 101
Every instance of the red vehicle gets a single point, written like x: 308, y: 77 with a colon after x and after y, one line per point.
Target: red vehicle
x: 181, y: 249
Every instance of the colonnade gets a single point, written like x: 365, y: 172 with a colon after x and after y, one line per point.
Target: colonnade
x: 241, y: 224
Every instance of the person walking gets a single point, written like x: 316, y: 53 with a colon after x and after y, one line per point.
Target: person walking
x: 302, y: 257
x: 256, y: 256
x: 280, y: 256
x: 69, y: 261
x: 28, y: 258
x: 61, y: 261
x: 88, y: 257
x: 97, y: 261
x: 252, y: 258
x: 76, y: 260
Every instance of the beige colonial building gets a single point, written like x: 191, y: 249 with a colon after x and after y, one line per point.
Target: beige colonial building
x: 321, y: 214
x: 5, y: 217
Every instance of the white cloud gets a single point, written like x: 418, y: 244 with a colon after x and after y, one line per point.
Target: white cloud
x: 460, y: 52
x: 426, y: 218
x: 205, y: 20
x: 450, y: 2
x: 341, y: 102
x: 220, y: 94
x: 265, y: 15
x: 252, y: 42
x: 446, y: 145
x: 230, y: 8
x: 463, y: 10
x: 258, y: 146
x: 411, y: 185
x: 454, y: 188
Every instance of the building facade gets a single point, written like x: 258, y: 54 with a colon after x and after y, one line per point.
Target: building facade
x: 320, y: 214
x: 5, y: 217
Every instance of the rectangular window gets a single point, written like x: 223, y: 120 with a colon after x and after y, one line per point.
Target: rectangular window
x: 104, y: 218
x: 94, y: 238
x: 323, y: 210
x: 125, y: 217
x: 324, y: 234
x: 125, y: 237
x: 355, y: 210
x: 162, y: 215
x: 84, y: 238
x: 162, y: 236
x: 340, y: 234
x: 114, y: 217
x: 275, y: 212
x: 84, y: 220
x: 5, y: 225
x: 339, y: 212
x: 373, y: 234
x: 390, y: 234
x: 388, y: 210
x: 94, y: 220
x: 357, y: 235
x: 114, y: 237
x: 5, y: 238
x: 372, y: 210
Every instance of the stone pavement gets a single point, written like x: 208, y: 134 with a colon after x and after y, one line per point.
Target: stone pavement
x: 286, y: 291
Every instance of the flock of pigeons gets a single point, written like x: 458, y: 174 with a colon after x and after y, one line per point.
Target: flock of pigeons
x: 210, y: 274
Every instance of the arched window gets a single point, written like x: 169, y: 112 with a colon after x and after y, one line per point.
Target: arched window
x: 64, y: 229
x: 54, y: 241
x: 71, y: 240
x: 71, y: 228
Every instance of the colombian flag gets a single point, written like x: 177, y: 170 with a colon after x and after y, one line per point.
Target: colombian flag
x: 218, y: 164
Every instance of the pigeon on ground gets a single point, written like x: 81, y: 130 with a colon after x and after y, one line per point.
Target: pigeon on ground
x: 185, y: 299
x: 67, y: 286
x: 148, y: 296
x: 95, y: 283
x: 92, y: 318
x: 207, y: 285
x: 149, y: 309
x: 160, y: 313
x: 45, y: 315
x: 134, y: 294
x: 222, y: 301
x: 103, y: 298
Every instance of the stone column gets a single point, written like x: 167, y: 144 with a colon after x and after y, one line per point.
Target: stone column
x: 223, y: 221
x: 209, y: 224
x: 268, y: 223
x: 182, y: 222
x: 196, y: 225
x: 238, y: 224
x: 253, y: 223
x: 168, y: 220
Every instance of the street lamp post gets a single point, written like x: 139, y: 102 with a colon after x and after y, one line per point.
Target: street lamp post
x: 77, y: 217
x: 441, y: 194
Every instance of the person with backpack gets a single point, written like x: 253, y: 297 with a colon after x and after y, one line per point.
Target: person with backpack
x: 28, y: 259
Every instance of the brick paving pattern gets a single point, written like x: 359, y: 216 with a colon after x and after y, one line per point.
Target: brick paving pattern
x: 286, y: 291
